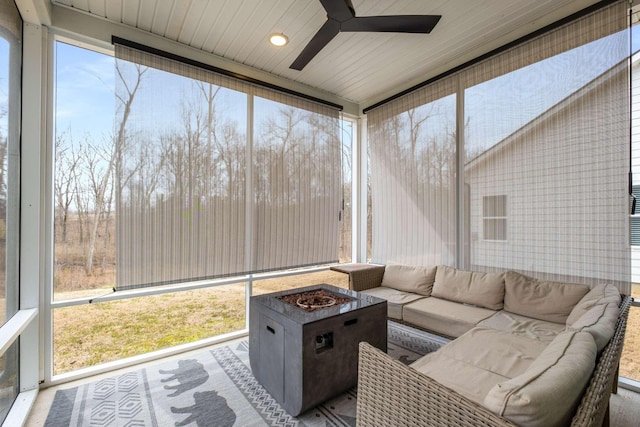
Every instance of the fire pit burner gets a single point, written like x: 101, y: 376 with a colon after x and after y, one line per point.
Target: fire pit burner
x: 315, y: 300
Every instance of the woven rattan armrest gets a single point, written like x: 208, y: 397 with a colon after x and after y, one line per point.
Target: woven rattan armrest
x: 366, y: 278
x: 595, y: 402
x: 392, y: 394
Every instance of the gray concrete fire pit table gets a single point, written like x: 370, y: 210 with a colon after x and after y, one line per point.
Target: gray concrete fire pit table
x: 303, y: 358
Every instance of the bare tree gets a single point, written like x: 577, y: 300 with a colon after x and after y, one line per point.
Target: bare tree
x: 125, y: 100
x: 67, y: 161
x: 280, y: 141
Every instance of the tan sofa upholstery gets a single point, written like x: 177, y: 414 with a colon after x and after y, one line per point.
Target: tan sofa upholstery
x: 444, y: 317
x: 523, y: 349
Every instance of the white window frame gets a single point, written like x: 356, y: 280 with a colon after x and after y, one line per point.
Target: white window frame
x: 494, y: 218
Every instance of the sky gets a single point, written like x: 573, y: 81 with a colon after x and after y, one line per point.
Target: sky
x: 496, y: 108
x: 4, y: 83
x: 85, y: 102
x: 83, y: 91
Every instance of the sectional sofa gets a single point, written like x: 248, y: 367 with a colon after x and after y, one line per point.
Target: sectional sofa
x: 523, y: 351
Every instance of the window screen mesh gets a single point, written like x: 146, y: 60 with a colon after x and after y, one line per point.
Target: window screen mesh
x: 224, y: 179
x: 544, y: 124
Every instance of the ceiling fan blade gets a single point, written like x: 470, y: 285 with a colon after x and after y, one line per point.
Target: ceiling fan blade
x: 392, y: 23
x: 340, y: 10
x: 324, y: 35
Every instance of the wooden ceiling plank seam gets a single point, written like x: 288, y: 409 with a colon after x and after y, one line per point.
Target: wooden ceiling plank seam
x: 226, y: 36
x: 79, y: 4
x: 96, y: 7
x: 178, y: 18
x: 379, y: 74
x: 145, y: 17
x: 251, y: 25
x: 214, y: 28
x: 260, y: 32
x: 354, y: 61
x: 196, y: 13
x: 307, y: 18
x: 282, y: 25
x: 113, y: 10
x: 172, y: 12
x: 201, y: 35
x: 131, y: 12
x: 161, y: 18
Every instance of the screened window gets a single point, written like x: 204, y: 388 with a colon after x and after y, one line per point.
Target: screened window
x: 494, y: 217
x: 213, y: 178
x: 544, y: 122
x: 10, y: 122
x: 413, y: 187
x: 169, y: 174
x: 219, y: 177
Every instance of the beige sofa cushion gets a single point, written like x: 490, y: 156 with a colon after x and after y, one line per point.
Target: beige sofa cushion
x: 395, y: 299
x: 409, y: 278
x: 550, y: 301
x: 599, y: 322
x: 444, y: 317
x: 534, y: 329
x: 478, y: 360
x: 599, y: 294
x: 548, y: 392
x: 469, y: 287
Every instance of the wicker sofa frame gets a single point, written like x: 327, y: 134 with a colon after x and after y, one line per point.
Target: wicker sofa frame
x: 393, y: 394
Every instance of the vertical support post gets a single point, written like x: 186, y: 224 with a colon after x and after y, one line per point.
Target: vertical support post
x: 461, y: 241
x: 360, y: 195
x: 249, y: 209
x: 34, y: 196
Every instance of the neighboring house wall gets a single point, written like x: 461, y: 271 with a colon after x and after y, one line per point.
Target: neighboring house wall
x: 550, y: 172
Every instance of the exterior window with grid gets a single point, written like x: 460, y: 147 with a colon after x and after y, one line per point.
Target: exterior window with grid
x: 635, y: 220
x: 494, y: 217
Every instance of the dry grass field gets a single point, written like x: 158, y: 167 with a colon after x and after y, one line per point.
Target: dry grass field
x: 630, y: 361
x: 101, y: 332
x: 88, y: 335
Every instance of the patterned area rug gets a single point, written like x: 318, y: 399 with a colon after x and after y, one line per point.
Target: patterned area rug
x: 212, y: 388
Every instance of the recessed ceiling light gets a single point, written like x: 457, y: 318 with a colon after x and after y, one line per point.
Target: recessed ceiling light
x: 278, y: 39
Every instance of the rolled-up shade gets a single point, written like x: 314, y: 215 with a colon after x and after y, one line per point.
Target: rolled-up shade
x: 219, y: 177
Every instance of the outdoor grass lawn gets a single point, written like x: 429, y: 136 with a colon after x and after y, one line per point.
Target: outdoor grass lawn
x: 87, y: 335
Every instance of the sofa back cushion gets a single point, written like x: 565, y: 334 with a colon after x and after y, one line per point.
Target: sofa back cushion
x: 599, y: 294
x: 469, y: 287
x: 550, y: 301
x: 600, y: 322
x: 549, y: 391
x: 409, y: 278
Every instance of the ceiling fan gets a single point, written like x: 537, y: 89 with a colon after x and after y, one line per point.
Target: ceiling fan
x: 341, y: 17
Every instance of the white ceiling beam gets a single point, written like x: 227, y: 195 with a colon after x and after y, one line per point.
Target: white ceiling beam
x: 36, y: 12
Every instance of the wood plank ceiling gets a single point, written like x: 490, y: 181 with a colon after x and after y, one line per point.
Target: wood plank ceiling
x: 359, y: 67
